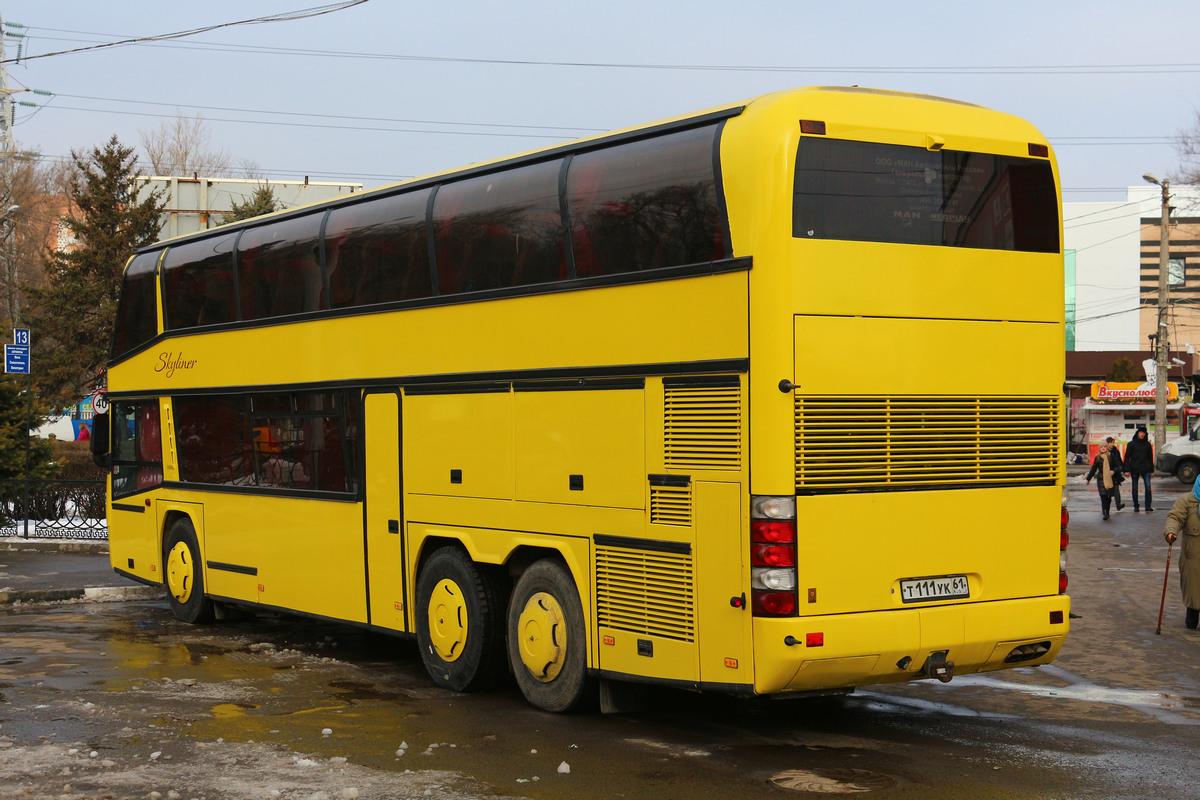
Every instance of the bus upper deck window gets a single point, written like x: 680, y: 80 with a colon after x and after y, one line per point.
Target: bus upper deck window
x: 137, y: 308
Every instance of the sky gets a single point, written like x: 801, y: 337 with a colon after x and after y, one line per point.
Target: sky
x: 391, y: 89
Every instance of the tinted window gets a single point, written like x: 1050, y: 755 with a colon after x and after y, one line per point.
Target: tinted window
x: 137, y: 310
x: 645, y: 205
x: 136, y: 447
x: 279, y: 268
x: 198, y: 281
x: 866, y: 192
x: 378, y: 251
x: 500, y: 230
x: 283, y: 441
x: 213, y: 440
x: 299, y: 442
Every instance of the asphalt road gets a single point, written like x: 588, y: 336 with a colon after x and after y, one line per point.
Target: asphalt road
x: 118, y: 700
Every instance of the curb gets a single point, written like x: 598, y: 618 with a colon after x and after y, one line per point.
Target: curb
x: 56, y: 546
x: 103, y: 594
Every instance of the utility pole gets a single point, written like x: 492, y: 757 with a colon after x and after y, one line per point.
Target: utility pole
x: 1162, y: 341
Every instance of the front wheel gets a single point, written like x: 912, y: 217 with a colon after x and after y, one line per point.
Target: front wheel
x: 460, y: 622
x: 1187, y: 471
x: 547, y: 641
x: 185, y: 575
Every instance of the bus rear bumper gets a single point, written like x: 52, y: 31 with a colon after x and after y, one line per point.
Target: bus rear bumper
x: 845, y: 650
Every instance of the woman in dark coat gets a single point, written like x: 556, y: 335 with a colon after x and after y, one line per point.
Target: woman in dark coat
x: 1139, y: 463
x: 1107, y: 472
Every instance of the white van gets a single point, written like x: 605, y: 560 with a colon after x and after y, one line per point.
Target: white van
x: 1181, y: 457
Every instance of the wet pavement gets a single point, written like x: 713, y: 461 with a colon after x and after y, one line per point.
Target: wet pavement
x: 273, y: 707
x: 33, y: 570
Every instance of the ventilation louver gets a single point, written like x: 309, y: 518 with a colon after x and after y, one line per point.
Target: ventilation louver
x: 928, y: 441
x: 646, y: 593
x: 703, y: 423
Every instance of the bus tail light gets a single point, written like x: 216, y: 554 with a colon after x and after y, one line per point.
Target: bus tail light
x: 773, y: 576
x: 1063, y: 540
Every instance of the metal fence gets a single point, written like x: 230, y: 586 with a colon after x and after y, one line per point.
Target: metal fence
x: 57, y: 509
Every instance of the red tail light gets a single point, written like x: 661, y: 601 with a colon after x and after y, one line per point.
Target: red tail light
x: 775, y: 604
x: 1064, y: 539
x: 777, y: 531
x: 772, y: 555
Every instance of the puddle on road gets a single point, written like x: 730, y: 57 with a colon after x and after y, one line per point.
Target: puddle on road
x: 832, y: 781
x: 1170, y: 708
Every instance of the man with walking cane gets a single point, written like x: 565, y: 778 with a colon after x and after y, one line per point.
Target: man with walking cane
x: 1184, y: 520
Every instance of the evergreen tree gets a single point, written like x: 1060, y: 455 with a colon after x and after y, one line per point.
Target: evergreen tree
x: 14, y: 428
x: 1123, y: 371
x: 262, y: 201
x: 72, y: 314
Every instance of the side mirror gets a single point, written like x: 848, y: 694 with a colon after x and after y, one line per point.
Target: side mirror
x: 99, y: 443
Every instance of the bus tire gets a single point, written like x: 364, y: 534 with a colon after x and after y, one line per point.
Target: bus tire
x: 460, y: 622
x: 547, y: 640
x: 185, y: 575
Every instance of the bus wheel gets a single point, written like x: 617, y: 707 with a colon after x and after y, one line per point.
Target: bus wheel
x: 547, y: 642
x: 185, y: 577
x: 459, y: 622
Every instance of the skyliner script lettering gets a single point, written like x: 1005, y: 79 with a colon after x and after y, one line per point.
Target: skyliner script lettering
x: 169, y: 362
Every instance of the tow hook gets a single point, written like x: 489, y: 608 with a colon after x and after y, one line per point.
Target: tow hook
x: 936, y: 666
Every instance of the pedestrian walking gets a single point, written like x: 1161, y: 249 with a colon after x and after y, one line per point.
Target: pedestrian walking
x: 1183, y: 521
x: 1139, y: 463
x: 1114, y: 457
x: 1106, y: 478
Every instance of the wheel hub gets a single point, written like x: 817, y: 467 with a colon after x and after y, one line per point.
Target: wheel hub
x: 543, y: 632
x: 179, y: 572
x: 447, y: 620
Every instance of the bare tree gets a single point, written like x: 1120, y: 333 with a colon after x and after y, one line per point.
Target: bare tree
x: 180, y: 147
x: 1187, y: 144
x: 33, y: 203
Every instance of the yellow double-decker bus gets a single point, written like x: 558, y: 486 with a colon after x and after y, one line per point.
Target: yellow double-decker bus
x: 764, y: 399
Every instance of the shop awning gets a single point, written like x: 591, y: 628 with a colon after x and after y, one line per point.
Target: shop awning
x: 1127, y: 407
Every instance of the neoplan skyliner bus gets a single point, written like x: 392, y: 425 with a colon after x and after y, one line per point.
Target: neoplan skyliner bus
x: 718, y: 402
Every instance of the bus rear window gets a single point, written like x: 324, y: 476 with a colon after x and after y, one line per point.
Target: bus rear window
x: 867, y: 192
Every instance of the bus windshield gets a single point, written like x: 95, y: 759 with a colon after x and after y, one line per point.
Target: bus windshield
x: 868, y: 192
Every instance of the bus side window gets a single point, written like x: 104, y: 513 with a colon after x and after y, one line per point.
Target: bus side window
x: 500, y: 230
x: 279, y: 270
x: 198, y: 283
x: 377, y: 251
x: 645, y: 205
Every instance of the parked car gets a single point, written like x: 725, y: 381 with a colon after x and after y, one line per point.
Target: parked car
x: 1181, y: 457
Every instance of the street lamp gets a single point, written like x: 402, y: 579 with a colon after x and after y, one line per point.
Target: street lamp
x: 1162, y: 345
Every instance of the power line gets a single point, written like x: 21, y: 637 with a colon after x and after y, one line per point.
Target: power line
x: 286, y: 16
x: 310, y: 115
x: 1048, y: 69
x: 336, y: 176
x: 566, y: 130
x: 314, y: 124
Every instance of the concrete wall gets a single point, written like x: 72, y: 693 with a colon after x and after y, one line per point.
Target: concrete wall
x: 195, y: 204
